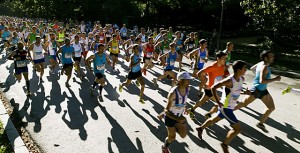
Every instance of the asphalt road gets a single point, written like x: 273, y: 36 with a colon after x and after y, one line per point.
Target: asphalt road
x: 70, y: 120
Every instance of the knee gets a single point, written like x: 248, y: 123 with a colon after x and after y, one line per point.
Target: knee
x: 272, y: 108
x: 237, y: 128
x: 183, y: 135
x: 171, y: 137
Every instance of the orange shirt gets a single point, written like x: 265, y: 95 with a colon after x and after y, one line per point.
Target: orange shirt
x: 215, y: 73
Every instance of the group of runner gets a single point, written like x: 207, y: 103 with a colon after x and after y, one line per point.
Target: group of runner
x: 29, y: 41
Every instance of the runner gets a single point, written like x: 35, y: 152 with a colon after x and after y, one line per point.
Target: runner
x: 233, y: 88
x: 20, y: 61
x: 5, y: 36
x: 215, y: 74
x: 179, y: 48
x: 259, y: 89
x: 126, y: 45
x: 52, y: 49
x: 176, y: 106
x: 229, y: 48
x: 114, y: 50
x: 123, y: 32
x: 77, y: 56
x: 190, y: 45
x: 99, y: 60
x: 148, y: 50
x: 170, y: 58
x: 67, y: 52
x: 135, y: 72
x: 38, y: 58
x: 201, y: 56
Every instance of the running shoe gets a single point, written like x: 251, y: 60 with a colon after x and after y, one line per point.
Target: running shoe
x: 92, y: 91
x: 137, y: 83
x: 67, y: 85
x: 287, y: 90
x: 154, y: 82
x: 262, y: 127
x: 165, y: 149
x: 120, y: 88
x: 224, y: 147
x: 142, y: 101
x: 28, y: 93
x: 207, y: 116
x: 191, y: 114
x: 144, y: 71
x: 100, y: 98
x: 200, y: 131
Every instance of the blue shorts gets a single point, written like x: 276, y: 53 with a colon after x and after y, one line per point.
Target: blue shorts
x: 52, y: 57
x: 228, y: 115
x: 18, y: 71
x: 39, y: 61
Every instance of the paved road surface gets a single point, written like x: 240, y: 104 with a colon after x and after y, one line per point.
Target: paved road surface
x: 70, y: 120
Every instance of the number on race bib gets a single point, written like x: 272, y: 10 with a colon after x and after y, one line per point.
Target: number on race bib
x: 100, y: 67
x: 21, y: 63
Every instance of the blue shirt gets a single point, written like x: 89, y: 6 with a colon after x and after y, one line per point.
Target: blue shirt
x: 123, y: 32
x: 99, y: 63
x: 171, y: 61
x: 5, y: 35
x: 256, y: 82
x: 67, y: 53
x: 137, y: 67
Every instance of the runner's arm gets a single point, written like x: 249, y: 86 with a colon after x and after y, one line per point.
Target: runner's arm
x: 89, y: 59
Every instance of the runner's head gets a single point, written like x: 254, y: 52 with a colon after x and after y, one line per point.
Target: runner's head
x: 239, y: 66
x: 20, y: 45
x: 221, y: 57
x: 150, y: 39
x: 172, y: 46
x: 267, y: 56
x: 183, y: 79
x: 135, y: 48
x: 76, y: 37
x: 131, y: 37
x: 203, y: 43
x: 177, y: 33
x: 114, y: 37
x: 67, y: 41
x: 38, y: 39
x: 100, y: 48
x: 229, y: 46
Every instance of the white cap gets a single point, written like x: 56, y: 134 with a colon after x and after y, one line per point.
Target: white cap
x: 184, y: 75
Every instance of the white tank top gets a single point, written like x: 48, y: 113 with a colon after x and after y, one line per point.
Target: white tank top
x: 77, y: 49
x: 230, y: 98
x: 178, y: 105
x: 37, y: 52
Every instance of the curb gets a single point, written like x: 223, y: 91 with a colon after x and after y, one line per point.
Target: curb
x: 12, y: 133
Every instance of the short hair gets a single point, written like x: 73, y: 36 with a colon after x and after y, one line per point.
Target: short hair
x: 264, y: 54
x: 202, y: 41
x: 150, y: 38
x: 220, y: 54
x: 137, y: 39
x: 229, y: 43
x: 100, y: 45
x: 238, y: 65
x: 114, y: 35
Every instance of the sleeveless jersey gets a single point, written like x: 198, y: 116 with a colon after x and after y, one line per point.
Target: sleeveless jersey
x: 256, y: 82
x: 99, y: 63
x: 37, y: 52
x: 67, y: 52
x: 231, y: 95
x: 178, y: 105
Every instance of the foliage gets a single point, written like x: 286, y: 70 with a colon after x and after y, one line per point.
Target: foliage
x: 279, y: 20
x: 5, y: 147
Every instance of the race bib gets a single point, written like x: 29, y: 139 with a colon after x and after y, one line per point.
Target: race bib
x: 77, y: 54
x: 172, y: 62
x: 21, y: 63
x: 68, y: 55
x: 191, y: 46
x: 38, y: 55
x: 101, y: 38
x: 149, y: 54
x: 101, y: 67
x: 235, y: 97
x: 218, y: 79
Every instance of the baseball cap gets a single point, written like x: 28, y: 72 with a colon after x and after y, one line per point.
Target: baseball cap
x: 184, y: 75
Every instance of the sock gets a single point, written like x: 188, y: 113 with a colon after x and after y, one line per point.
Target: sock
x: 94, y: 85
x: 100, y: 89
x: 166, y: 144
x: 28, y: 85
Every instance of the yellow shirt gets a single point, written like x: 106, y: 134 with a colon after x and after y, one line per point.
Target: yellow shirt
x: 114, y: 47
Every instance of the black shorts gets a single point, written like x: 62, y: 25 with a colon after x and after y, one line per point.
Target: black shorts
x: 259, y: 93
x: 99, y: 75
x: 67, y: 65
x: 112, y: 54
x: 134, y: 75
x: 146, y: 58
x: 170, y: 122
x: 208, y: 93
x: 165, y: 70
x: 77, y: 59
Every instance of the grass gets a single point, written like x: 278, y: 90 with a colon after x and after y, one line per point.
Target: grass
x: 5, y: 146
